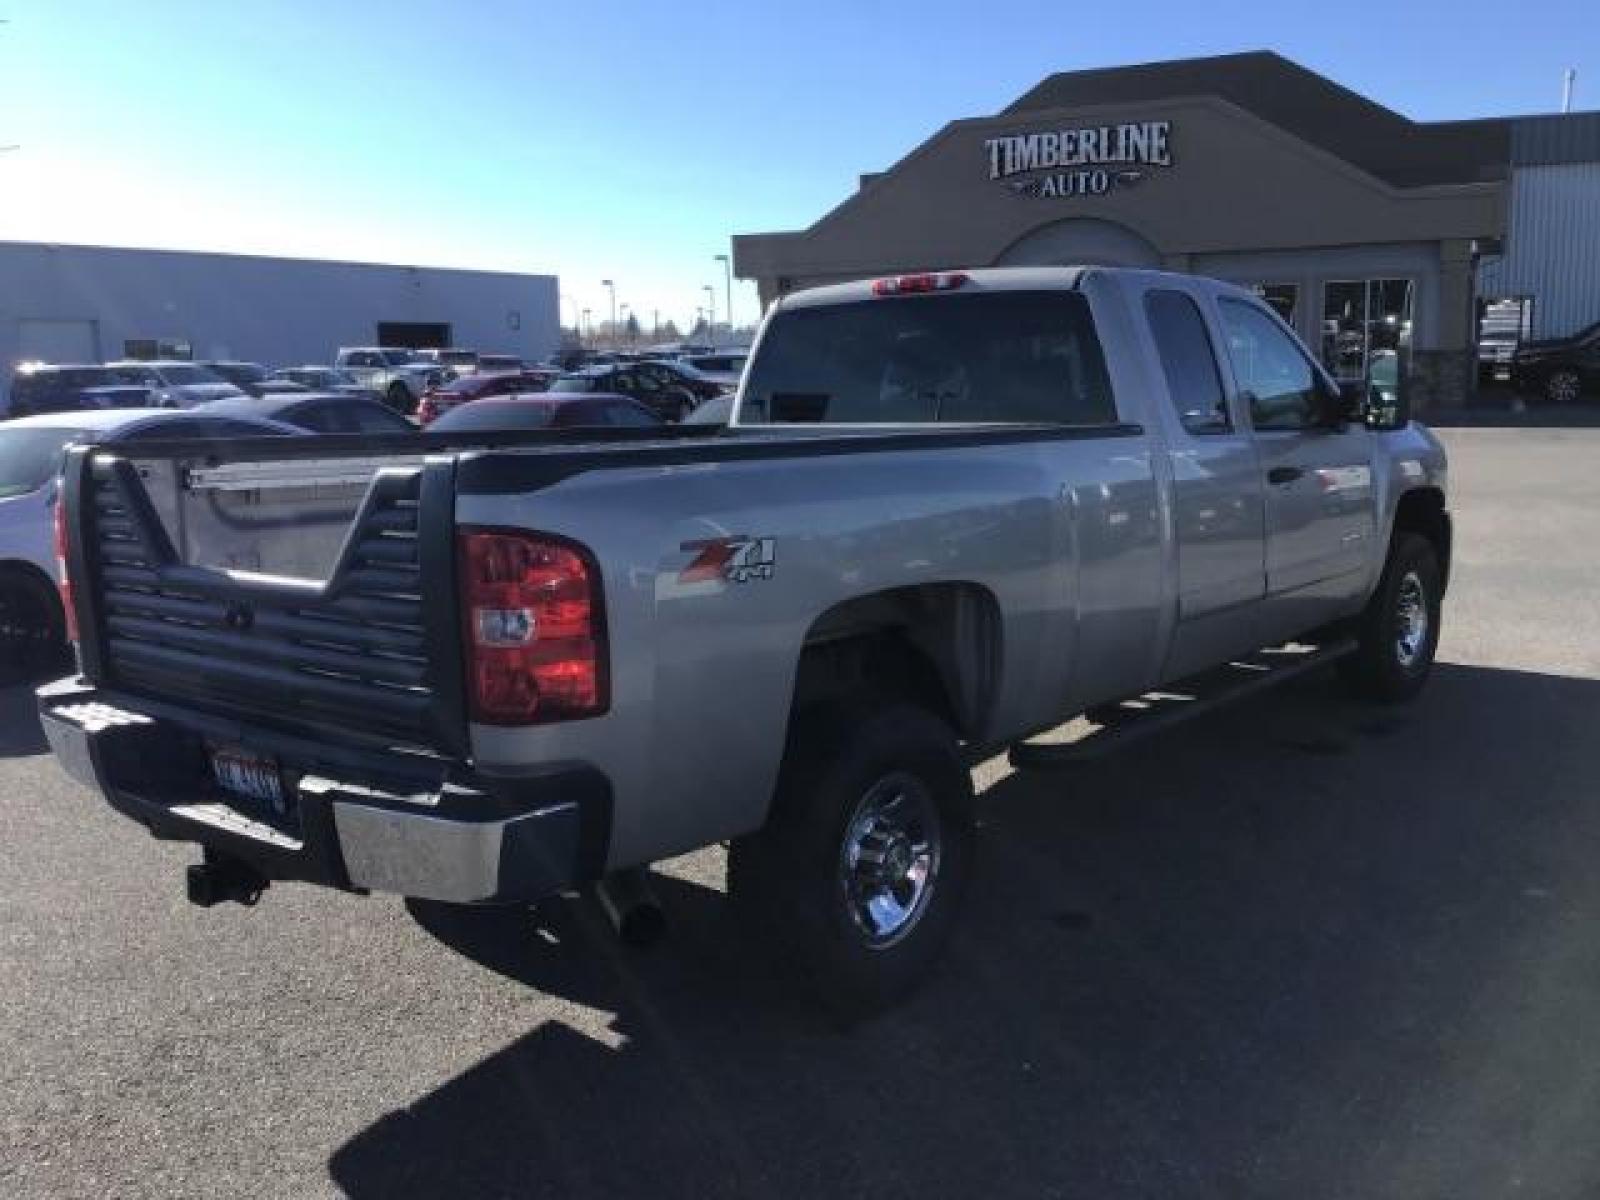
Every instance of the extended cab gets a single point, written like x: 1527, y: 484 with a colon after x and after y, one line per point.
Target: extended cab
x: 952, y: 511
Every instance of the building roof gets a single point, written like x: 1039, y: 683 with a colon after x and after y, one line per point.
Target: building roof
x: 1379, y: 140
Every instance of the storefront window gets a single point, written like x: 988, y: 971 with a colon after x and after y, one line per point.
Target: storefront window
x: 1366, y: 329
x: 1282, y: 298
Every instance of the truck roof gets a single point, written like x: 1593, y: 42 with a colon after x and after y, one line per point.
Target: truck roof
x: 992, y: 279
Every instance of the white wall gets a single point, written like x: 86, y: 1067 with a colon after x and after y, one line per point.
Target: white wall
x: 270, y: 310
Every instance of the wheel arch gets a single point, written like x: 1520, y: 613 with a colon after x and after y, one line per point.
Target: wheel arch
x: 1422, y: 511
x: 937, y: 644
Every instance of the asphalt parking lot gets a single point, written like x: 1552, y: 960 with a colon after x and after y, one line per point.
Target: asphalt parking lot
x: 1305, y: 949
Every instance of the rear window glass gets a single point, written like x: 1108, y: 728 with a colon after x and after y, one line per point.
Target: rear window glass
x: 494, y: 416
x: 575, y: 383
x: 1025, y: 357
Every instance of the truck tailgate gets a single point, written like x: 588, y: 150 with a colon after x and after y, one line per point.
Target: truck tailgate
x: 310, y: 594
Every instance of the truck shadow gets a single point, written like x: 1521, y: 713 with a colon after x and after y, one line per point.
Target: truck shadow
x: 20, y: 731
x: 1301, y: 948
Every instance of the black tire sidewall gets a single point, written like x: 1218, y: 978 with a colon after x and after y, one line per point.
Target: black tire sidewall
x: 1382, y: 673
x: 789, y: 870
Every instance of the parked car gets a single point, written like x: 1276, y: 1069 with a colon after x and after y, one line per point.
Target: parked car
x: 47, y: 387
x: 324, y: 379
x: 1562, y: 370
x: 669, y: 401
x: 182, y: 384
x: 32, y: 621
x: 501, y: 362
x: 951, y: 511
x: 724, y: 366
x: 319, y: 412
x: 454, y: 359
x: 673, y: 374
x: 542, y: 410
x: 439, y: 400
x: 251, y: 378
x: 398, y: 376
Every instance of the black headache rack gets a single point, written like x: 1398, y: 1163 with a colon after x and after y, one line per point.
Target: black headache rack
x: 371, y: 655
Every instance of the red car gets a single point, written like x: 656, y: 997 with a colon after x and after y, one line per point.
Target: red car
x: 548, y: 411
x: 439, y: 400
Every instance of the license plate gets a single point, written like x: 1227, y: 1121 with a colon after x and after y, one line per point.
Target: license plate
x: 251, y: 776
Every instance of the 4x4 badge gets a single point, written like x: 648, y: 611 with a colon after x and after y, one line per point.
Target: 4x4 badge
x: 736, y: 559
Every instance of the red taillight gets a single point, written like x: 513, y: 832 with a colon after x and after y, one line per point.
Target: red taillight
x: 427, y: 409
x: 535, y: 633
x: 910, y: 285
x: 63, y: 576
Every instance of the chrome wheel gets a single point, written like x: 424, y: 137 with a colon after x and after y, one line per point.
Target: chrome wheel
x: 889, y: 862
x: 1412, y: 621
x: 1563, y: 387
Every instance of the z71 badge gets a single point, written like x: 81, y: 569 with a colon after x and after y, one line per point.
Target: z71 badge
x: 736, y: 559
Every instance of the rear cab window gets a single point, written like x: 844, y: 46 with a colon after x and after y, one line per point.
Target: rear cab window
x: 1019, y: 357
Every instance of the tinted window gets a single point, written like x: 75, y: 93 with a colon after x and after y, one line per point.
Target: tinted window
x: 319, y: 418
x: 1000, y: 356
x: 181, y: 375
x: 29, y: 457
x: 1187, y: 361
x: 574, y: 383
x: 375, y: 418
x: 494, y: 415
x: 203, y: 427
x: 1269, y: 368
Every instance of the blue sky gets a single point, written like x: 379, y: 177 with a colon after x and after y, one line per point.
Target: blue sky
x: 617, y: 140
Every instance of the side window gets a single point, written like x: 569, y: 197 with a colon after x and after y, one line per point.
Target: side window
x: 1187, y: 361
x: 1271, y: 371
x: 320, y: 418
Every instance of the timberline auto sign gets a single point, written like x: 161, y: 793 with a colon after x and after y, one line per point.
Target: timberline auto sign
x: 1079, y: 162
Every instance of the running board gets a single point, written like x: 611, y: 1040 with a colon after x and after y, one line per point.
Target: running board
x: 1133, y: 721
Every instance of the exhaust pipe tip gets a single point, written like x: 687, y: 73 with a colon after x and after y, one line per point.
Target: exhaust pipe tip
x: 219, y: 880
x: 631, y: 907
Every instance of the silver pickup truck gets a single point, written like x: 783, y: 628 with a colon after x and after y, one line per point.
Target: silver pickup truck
x: 952, y: 512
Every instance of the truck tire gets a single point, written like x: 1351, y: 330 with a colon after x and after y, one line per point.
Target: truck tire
x: 398, y: 397
x: 1399, y: 631
x: 33, y: 634
x: 857, y: 876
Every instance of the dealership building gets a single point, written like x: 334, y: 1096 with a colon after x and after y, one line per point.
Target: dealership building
x: 1381, y: 239
x: 76, y: 304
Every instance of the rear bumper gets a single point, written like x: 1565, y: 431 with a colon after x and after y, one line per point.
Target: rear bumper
x: 368, y: 819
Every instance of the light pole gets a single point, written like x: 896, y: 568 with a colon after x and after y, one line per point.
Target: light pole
x: 612, y: 288
x: 711, y: 308
x: 727, y: 307
x: 584, y: 335
x: 625, y: 311
x: 699, y: 314
x: 655, y: 324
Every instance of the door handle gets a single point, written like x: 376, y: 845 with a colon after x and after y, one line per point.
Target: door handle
x: 1284, y: 474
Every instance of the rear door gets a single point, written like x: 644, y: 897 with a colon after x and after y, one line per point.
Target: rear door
x: 1321, y: 514
x: 1217, y: 501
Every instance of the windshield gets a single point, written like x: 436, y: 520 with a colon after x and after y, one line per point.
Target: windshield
x: 30, y: 457
x: 495, y: 414
x: 181, y: 375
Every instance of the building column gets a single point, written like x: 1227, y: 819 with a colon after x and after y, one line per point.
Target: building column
x: 1445, y: 374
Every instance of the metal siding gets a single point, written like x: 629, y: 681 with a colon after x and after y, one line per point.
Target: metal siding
x: 276, y: 311
x: 1548, y: 141
x: 1553, y: 246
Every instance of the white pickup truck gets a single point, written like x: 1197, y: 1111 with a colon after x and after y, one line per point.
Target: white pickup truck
x: 952, y: 512
x: 397, y: 377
